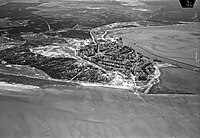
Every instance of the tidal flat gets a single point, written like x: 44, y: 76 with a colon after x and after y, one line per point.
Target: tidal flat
x: 177, y: 81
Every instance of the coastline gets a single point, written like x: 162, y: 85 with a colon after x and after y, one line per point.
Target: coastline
x: 154, y: 80
x: 145, y: 88
x: 175, y: 80
x: 157, y: 73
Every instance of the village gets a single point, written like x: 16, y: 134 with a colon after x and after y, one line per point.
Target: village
x: 114, y: 56
x: 93, y: 61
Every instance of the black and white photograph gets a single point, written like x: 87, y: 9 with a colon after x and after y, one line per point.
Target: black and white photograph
x: 99, y: 68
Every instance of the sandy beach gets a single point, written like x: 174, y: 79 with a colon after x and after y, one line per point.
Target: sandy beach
x: 178, y: 43
x: 175, y: 42
x: 99, y: 113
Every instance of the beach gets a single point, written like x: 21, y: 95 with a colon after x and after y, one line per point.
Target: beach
x: 91, y: 112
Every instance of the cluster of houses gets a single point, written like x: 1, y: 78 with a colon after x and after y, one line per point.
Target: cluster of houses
x: 114, y: 56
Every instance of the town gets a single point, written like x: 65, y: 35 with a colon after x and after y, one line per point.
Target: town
x: 93, y: 61
x: 114, y: 56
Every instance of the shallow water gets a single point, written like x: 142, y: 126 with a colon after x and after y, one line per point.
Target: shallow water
x: 180, y: 80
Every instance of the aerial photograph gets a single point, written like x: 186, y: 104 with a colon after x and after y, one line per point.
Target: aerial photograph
x: 99, y: 68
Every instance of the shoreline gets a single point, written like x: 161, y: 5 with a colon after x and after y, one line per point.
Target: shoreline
x: 157, y: 72
x: 144, y: 89
x: 154, y: 80
x: 125, y: 85
x: 5, y: 85
x: 175, y: 80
